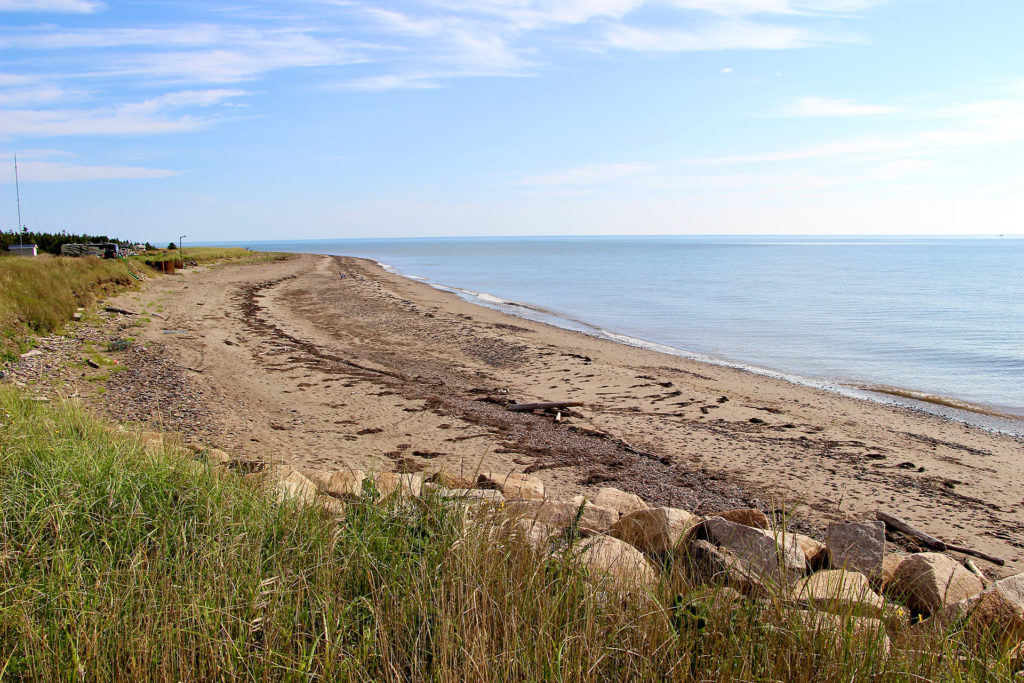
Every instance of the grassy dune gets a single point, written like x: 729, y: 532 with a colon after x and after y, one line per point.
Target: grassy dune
x: 125, y: 562
x: 40, y: 294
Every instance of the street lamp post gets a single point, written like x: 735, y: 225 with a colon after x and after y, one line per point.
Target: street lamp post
x: 181, y: 243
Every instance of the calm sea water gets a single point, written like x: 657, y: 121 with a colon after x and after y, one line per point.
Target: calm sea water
x: 944, y: 317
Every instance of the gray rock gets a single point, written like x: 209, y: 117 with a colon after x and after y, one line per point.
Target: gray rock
x: 857, y: 547
x: 776, y: 559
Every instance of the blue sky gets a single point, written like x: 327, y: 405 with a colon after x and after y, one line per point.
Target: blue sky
x: 333, y: 118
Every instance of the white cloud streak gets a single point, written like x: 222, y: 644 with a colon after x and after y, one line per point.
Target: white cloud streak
x: 55, y: 6
x: 813, y: 107
x: 55, y: 172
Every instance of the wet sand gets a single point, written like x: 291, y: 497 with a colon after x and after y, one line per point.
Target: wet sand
x: 326, y: 362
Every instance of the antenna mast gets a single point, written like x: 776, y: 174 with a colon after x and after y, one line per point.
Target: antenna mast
x: 17, y: 194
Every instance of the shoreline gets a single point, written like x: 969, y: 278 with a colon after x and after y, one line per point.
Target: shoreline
x: 326, y: 362
x: 948, y: 407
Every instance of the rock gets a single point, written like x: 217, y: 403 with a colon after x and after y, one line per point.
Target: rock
x: 864, y: 631
x: 747, y: 517
x: 216, y: 456
x: 76, y: 316
x: 707, y: 563
x: 472, y: 495
x: 340, y: 483
x: 931, y: 581
x: 31, y: 354
x: 332, y: 505
x: 535, y: 534
x: 999, y: 611
x: 514, y: 485
x: 815, y: 551
x: 618, y: 560
x: 837, y: 589
x: 452, y: 481
x: 562, y: 514
x: 620, y: 501
x: 406, y: 485
x: 776, y: 559
x: 890, y: 563
x: 656, y: 531
x: 857, y: 547
x: 291, y: 484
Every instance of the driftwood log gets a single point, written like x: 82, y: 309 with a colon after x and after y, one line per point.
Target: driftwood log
x: 115, y: 309
x: 894, y: 522
x: 526, y: 407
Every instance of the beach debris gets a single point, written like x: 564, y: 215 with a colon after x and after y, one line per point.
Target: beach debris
x: 894, y: 522
x: 932, y: 581
x: 546, y: 405
x: 857, y: 546
x: 92, y: 364
x: 32, y: 354
x: 115, y: 309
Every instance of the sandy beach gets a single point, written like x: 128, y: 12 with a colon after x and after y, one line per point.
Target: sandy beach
x: 327, y: 362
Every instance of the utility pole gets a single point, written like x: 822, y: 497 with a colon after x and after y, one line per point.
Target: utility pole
x: 181, y: 243
x: 17, y: 194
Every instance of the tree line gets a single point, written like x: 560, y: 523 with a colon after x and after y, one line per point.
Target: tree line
x: 50, y: 242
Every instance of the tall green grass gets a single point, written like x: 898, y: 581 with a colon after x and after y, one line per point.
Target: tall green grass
x: 119, y: 562
x: 38, y: 295
x: 209, y: 255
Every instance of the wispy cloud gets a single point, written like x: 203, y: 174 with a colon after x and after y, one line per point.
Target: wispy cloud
x: 56, y: 172
x: 61, y: 6
x: 812, y: 107
x: 153, y: 116
x: 719, y: 35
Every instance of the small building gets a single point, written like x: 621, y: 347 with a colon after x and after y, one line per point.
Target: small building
x: 23, y: 249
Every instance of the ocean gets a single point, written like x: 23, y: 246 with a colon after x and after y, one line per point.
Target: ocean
x: 886, y: 318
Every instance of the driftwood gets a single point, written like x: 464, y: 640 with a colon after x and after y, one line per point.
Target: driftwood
x: 973, y: 568
x: 898, y: 524
x: 114, y: 309
x: 526, y: 407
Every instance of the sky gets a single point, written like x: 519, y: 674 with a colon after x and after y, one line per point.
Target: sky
x: 262, y: 120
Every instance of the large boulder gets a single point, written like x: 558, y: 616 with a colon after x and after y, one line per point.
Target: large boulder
x: 815, y: 551
x: 514, y: 485
x: 999, y: 610
x: 869, y: 634
x: 405, y: 485
x: 747, y: 517
x: 618, y: 560
x: 452, y: 481
x: 857, y: 547
x: 620, y: 501
x: 930, y: 582
x: 290, y: 484
x: 656, y: 531
x: 562, y: 514
x: 340, y: 483
x: 471, y: 496
x: 775, y: 558
x: 707, y: 563
x: 838, y: 590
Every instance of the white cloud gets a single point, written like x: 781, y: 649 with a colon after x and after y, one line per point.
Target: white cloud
x: 824, y: 107
x: 135, y: 118
x: 721, y: 35
x: 62, y: 6
x: 54, y: 172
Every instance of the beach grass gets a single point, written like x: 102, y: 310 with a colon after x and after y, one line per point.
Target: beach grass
x: 121, y: 560
x: 38, y: 295
x: 206, y: 256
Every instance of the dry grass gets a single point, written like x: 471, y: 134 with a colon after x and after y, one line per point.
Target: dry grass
x: 119, y: 562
